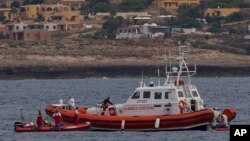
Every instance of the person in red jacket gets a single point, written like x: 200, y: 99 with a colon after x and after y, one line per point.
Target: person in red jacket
x: 58, y: 118
x: 39, y: 119
x: 76, y: 118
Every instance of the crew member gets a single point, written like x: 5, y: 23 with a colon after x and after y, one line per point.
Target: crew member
x: 58, y: 118
x: 76, y: 118
x: 39, y: 119
x: 46, y: 121
x: 71, y: 103
x: 106, y: 102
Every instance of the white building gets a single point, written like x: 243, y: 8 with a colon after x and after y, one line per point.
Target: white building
x: 129, y: 32
x: 32, y: 26
x: 18, y: 27
x: 146, y: 30
x: 50, y: 26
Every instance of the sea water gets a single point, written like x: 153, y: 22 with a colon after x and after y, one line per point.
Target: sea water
x: 34, y: 95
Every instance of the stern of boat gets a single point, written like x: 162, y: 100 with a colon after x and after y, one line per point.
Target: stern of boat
x: 223, y: 118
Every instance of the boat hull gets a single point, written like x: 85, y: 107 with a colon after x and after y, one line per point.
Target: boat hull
x: 189, y: 121
x: 66, y: 127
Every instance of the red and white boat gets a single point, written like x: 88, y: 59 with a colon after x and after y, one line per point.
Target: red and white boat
x: 19, y: 127
x: 174, y: 105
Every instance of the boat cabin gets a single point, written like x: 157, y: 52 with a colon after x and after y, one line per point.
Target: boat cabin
x: 177, y: 95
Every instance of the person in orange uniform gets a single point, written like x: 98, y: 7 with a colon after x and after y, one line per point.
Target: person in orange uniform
x: 58, y: 118
x: 39, y: 119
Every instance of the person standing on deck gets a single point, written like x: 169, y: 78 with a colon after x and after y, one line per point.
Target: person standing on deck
x: 39, y: 119
x: 71, y: 103
x: 106, y: 102
x: 58, y: 118
x: 76, y: 118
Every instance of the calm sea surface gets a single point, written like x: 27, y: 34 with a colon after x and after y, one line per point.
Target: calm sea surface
x: 36, y: 94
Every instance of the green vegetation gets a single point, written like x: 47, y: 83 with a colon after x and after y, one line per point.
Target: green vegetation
x: 15, y: 4
x: 3, y: 35
x: 188, y: 11
x: 228, y: 3
x: 216, y: 21
x: 2, y: 17
x: 109, y: 28
x: 27, y: 2
x: 96, y: 6
x: 101, y: 7
x: 186, y: 17
x: 215, y: 29
x: 134, y: 5
x: 181, y: 38
x: 236, y: 30
x: 234, y: 17
x: 105, y: 6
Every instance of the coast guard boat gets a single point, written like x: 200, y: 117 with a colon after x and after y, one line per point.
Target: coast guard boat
x: 174, y: 105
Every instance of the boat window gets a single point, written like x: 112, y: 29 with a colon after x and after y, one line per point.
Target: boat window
x: 188, y: 94
x: 195, y: 94
x: 180, y: 94
x: 157, y: 95
x: 136, y: 95
x: 157, y: 105
x: 166, y: 95
x: 146, y: 94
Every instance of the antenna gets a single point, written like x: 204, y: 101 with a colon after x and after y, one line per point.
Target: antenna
x: 159, y: 81
x: 169, y: 57
x: 21, y: 114
x: 142, y: 78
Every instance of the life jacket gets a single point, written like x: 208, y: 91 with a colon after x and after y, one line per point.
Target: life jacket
x: 39, y: 120
x: 57, y: 117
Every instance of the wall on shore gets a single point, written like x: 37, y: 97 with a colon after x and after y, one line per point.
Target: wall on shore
x: 111, y: 71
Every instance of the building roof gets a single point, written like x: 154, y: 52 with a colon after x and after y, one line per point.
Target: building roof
x: 142, y: 18
x: 166, y: 16
x: 130, y: 27
x: 30, y: 30
x: 30, y: 23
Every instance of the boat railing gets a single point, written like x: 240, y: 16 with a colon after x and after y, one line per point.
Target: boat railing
x: 187, y: 91
x: 181, y: 70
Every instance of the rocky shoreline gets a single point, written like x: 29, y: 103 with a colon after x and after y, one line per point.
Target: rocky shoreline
x: 112, y: 71
x: 81, y: 58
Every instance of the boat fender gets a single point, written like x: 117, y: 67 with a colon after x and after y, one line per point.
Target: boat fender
x: 182, y: 104
x: 157, y: 123
x: 112, y: 111
x: 123, y: 125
